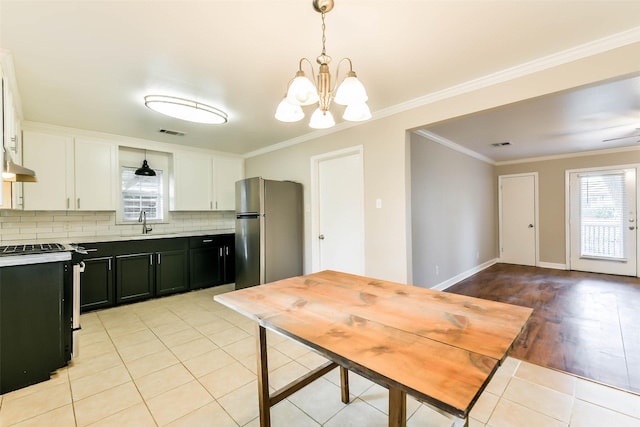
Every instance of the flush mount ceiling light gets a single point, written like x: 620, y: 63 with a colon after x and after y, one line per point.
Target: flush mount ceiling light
x: 185, y: 109
x: 302, y: 91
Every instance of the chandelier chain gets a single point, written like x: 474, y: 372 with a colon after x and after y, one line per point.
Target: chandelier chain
x: 324, y: 37
x: 323, y: 58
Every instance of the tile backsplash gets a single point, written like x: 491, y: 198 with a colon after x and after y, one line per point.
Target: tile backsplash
x: 72, y: 226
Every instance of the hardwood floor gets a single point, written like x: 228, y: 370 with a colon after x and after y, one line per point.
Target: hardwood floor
x: 583, y: 323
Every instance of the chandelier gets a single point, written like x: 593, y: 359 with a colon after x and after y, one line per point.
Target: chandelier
x: 302, y: 92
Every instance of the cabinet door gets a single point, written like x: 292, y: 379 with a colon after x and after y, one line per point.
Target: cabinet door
x: 192, y: 182
x: 51, y: 157
x: 227, y: 170
x: 172, y: 271
x: 96, y: 289
x: 229, y: 259
x: 95, y: 175
x: 207, y: 267
x: 134, y: 277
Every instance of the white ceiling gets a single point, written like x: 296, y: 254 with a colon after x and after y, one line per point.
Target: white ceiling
x: 87, y: 64
x: 602, y: 116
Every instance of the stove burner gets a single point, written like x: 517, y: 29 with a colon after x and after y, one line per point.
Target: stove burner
x: 31, y: 249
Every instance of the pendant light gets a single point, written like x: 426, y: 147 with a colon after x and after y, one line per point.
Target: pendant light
x: 145, y: 170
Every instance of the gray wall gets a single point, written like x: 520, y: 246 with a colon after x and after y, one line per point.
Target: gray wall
x: 453, y: 212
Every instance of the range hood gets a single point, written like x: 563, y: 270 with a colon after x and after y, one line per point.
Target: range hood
x: 15, y: 173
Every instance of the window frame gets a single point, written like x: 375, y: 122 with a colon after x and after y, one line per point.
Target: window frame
x: 131, y: 158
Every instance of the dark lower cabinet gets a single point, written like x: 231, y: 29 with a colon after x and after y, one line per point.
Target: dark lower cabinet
x: 212, y: 260
x: 97, y: 283
x: 135, y: 277
x: 32, y: 325
x: 207, y: 268
x: 122, y: 272
x: 229, y: 242
x: 172, y: 271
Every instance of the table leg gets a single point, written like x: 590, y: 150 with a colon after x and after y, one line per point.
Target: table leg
x: 397, y: 407
x: 263, y: 377
x: 344, y: 384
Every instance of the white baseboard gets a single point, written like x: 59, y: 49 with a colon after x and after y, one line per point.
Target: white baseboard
x: 553, y: 265
x: 455, y: 279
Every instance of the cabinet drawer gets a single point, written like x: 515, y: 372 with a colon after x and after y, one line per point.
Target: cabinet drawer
x: 204, y: 241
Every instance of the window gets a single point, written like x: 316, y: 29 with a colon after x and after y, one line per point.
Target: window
x: 141, y: 193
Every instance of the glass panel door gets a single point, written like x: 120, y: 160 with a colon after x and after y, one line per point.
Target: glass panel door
x: 603, y: 231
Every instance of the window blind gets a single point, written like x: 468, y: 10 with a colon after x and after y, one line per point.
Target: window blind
x: 602, y: 211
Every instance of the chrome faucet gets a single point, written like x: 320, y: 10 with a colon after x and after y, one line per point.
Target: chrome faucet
x: 143, y: 219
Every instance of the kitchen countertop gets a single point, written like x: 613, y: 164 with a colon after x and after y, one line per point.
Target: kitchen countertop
x: 27, y: 259
x: 117, y: 238
x: 112, y: 238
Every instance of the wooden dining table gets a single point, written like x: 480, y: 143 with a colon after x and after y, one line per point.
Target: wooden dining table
x: 438, y: 347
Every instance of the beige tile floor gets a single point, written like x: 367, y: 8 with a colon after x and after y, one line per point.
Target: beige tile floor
x: 185, y: 360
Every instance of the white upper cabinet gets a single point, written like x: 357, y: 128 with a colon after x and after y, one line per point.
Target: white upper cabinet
x: 227, y: 171
x: 73, y: 173
x: 191, y: 182
x: 203, y: 182
x: 96, y: 175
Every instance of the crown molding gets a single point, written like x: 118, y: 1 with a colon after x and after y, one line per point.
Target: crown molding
x: 450, y: 144
x: 569, y: 155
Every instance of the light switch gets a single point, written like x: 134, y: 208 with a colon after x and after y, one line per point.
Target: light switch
x: 378, y: 203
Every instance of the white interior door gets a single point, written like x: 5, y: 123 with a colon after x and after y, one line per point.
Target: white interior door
x: 602, y: 221
x: 339, y: 212
x: 518, y: 225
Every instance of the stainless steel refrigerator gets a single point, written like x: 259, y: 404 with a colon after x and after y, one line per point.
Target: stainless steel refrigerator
x: 268, y: 231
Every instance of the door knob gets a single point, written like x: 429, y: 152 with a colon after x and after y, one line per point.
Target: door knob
x: 321, y: 237
x: 530, y: 226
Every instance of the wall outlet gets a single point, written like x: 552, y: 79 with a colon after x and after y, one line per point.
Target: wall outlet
x: 437, y: 270
x: 477, y: 255
x: 378, y: 203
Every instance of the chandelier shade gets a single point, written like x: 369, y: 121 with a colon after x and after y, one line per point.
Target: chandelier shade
x: 351, y: 91
x: 321, y: 119
x: 357, y: 112
x: 287, y: 112
x: 303, y: 91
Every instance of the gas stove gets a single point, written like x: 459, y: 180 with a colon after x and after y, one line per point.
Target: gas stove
x: 32, y: 249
